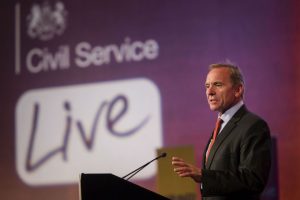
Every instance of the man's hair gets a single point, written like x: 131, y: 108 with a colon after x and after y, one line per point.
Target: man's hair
x: 235, y: 73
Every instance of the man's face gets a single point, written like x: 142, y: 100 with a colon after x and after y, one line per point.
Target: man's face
x: 220, y: 92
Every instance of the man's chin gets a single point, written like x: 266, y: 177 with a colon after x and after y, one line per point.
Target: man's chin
x: 214, y: 108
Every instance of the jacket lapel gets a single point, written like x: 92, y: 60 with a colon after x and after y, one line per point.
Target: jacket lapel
x: 224, y: 134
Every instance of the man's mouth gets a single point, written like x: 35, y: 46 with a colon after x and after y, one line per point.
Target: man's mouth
x: 213, y: 100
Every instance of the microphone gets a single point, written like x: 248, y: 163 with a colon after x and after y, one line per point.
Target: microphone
x: 134, y: 172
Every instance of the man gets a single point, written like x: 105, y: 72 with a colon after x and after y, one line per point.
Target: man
x: 237, y: 160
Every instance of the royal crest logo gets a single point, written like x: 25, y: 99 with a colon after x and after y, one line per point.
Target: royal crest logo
x: 46, y: 21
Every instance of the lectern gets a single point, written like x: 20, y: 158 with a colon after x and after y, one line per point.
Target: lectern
x: 111, y: 187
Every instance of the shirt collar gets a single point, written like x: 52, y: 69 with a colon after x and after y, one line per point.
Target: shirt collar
x: 230, y: 112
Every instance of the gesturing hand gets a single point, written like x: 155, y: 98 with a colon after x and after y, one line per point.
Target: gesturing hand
x: 184, y: 169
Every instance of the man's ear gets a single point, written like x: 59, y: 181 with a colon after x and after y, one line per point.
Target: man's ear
x: 239, y: 91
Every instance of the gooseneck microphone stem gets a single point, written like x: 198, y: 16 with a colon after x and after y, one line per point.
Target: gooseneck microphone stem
x: 134, y: 172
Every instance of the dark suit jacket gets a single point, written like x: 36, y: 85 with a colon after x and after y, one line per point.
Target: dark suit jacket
x: 239, y: 162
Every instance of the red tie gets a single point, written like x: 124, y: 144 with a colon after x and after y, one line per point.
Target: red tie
x: 212, y: 141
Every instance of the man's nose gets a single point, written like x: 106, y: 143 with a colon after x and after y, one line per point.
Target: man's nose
x: 210, y: 90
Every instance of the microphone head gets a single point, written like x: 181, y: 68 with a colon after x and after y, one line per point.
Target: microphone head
x: 164, y: 154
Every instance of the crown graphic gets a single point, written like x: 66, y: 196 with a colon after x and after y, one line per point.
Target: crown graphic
x: 46, y: 21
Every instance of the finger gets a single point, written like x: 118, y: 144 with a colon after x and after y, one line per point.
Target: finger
x: 180, y: 169
x: 176, y: 161
x: 185, y: 174
x: 174, y: 158
x: 178, y: 164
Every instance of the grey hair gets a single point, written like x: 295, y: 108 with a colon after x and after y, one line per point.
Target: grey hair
x: 235, y: 72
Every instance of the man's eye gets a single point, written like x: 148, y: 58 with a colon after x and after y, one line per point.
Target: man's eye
x: 218, y: 84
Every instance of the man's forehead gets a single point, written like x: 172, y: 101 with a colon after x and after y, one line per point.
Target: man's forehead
x: 218, y: 74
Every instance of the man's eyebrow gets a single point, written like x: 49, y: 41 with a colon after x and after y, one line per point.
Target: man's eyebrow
x: 207, y: 83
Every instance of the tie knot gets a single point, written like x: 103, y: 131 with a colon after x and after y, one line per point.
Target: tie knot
x: 217, y: 128
x: 219, y: 121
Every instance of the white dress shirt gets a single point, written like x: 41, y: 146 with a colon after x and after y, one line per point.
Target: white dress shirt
x: 229, y: 114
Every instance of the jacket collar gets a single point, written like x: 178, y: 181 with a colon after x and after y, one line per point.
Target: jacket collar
x: 224, y: 134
